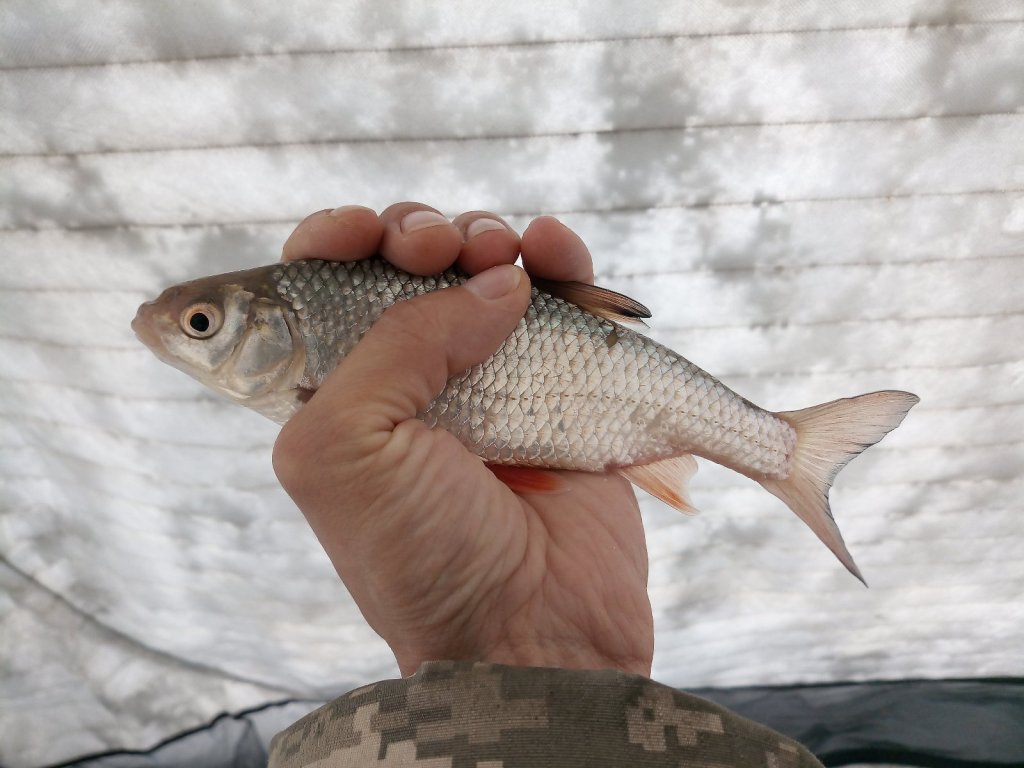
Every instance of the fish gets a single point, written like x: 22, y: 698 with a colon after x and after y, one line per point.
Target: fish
x: 571, y: 388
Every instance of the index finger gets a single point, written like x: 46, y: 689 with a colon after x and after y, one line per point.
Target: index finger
x: 348, y: 233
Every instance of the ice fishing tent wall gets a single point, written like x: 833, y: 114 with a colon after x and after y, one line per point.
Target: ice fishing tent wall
x: 816, y: 199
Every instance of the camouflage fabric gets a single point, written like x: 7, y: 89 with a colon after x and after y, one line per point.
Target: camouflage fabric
x: 466, y: 715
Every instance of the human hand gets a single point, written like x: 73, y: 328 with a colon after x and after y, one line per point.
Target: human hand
x: 442, y: 558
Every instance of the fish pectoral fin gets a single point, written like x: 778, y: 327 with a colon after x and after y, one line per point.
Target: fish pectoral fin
x: 529, y: 479
x: 278, y: 406
x: 598, y: 301
x: 667, y: 480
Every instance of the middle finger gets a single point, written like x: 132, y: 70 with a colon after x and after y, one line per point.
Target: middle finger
x: 488, y: 241
x: 419, y: 239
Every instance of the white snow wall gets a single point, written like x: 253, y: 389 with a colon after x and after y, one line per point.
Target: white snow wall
x: 816, y: 199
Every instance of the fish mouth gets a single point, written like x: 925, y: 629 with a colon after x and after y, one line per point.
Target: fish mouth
x: 145, y: 330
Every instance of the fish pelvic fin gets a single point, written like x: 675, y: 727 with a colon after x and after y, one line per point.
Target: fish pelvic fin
x: 828, y: 437
x: 667, y: 479
x: 529, y: 479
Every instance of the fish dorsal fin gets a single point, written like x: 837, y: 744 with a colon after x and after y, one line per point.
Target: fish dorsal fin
x: 667, y: 480
x: 598, y: 301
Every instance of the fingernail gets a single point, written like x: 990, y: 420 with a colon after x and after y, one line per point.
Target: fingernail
x: 346, y: 208
x: 495, y: 282
x: 421, y: 220
x: 483, y: 225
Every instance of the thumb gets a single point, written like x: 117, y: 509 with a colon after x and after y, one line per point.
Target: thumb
x: 400, y: 365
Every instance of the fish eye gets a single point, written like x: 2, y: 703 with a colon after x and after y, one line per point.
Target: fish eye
x: 201, y: 321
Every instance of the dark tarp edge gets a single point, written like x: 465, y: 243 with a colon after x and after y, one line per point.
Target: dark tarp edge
x: 936, y: 723
x: 932, y: 723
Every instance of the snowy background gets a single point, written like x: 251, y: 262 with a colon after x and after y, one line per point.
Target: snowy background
x: 815, y: 199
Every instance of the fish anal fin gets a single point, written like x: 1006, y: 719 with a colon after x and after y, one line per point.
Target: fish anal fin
x: 597, y: 301
x: 529, y: 479
x: 666, y: 479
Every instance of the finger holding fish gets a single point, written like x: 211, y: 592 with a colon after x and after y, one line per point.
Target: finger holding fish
x: 554, y: 252
x: 419, y: 239
x: 345, y: 233
x: 487, y: 241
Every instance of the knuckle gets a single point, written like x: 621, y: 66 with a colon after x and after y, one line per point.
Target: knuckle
x: 293, y: 454
x: 338, y: 439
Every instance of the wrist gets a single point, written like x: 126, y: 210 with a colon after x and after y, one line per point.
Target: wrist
x: 560, y: 655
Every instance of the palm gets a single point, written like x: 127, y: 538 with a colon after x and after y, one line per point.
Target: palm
x: 560, y: 577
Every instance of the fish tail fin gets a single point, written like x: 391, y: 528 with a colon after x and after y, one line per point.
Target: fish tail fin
x: 828, y: 437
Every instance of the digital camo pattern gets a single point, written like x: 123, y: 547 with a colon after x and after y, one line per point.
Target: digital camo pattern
x: 466, y: 715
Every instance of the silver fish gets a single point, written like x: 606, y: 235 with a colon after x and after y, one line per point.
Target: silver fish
x: 571, y: 388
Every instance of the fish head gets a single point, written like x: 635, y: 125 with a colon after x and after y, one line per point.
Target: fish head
x: 232, y: 332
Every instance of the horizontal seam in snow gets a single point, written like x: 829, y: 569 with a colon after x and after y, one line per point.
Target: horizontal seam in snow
x: 416, y: 49
x: 773, y: 267
x: 12, y: 417
x: 784, y: 324
x: 540, y: 136
x: 177, y: 510
x: 609, y: 277
x: 639, y: 208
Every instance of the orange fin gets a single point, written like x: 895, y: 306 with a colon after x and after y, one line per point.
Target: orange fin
x: 828, y: 436
x: 597, y: 301
x: 666, y: 480
x: 529, y: 479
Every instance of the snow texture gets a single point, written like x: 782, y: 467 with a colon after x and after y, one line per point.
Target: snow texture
x: 816, y: 199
